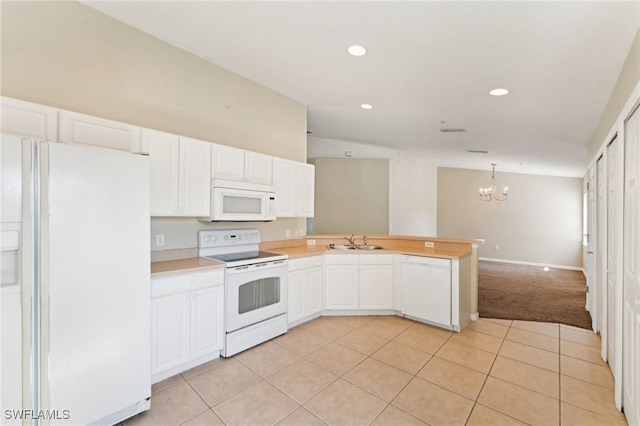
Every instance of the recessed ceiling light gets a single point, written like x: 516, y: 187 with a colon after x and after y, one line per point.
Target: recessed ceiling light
x: 357, y: 50
x: 366, y: 106
x: 498, y: 92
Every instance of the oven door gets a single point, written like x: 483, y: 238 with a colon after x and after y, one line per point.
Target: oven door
x: 255, y: 293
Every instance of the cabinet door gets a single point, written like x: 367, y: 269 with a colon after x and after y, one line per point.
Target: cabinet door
x: 376, y: 289
x: 28, y: 119
x: 169, y: 332
x: 285, y: 183
x: 305, y: 190
x: 164, y: 162
x: 313, y: 290
x: 195, y: 181
x: 227, y: 163
x: 258, y: 168
x: 342, y: 287
x: 89, y: 130
x: 296, y: 309
x: 207, y: 311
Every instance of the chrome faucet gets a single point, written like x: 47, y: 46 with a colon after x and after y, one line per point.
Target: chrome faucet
x: 352, y: 240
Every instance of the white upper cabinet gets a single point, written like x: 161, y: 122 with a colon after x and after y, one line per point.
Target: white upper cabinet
x: 227, y: 163
x: 239, y: 165
x: 29, y: 119
x: 295, y: 188
x: 88, y: 130
x: 179, y: 174
x: 195, y: 181
x: 258, y: 168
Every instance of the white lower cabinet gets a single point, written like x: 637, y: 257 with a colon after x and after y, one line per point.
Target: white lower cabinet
x: 362, y: 281
x: 342, y: 286
x: 376, y: 286
x: 305, y: 289
x: 187, y: 321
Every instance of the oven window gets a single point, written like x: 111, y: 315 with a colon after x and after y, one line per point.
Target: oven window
x: 242, y: 205
x: 258, y: 294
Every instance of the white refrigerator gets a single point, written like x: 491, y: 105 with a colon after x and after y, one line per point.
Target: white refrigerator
x: 75, y: 284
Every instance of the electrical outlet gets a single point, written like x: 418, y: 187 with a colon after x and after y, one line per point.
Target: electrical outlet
x: 160, y: 240
x: 287, y: 233
x: 311, y: 242
x: 429, y: 244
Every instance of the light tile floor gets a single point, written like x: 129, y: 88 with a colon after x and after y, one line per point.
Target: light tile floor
x: 393, y: 371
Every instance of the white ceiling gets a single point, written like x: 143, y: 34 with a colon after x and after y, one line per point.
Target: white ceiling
x: 427, y: 62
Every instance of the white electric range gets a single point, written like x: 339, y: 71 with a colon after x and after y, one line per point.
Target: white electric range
x: 255, y: 287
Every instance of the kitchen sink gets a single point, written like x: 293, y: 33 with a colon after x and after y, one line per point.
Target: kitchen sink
x: 350, y: 247
x: 341, y: 247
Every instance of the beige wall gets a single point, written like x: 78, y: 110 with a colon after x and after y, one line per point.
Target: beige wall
x: 412, y: 196
x: 352, y: 196
x: 541, y: 222
x: 627, y: 80
x: 67, y: 55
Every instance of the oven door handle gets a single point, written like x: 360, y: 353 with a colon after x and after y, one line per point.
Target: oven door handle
x: 256, y: 266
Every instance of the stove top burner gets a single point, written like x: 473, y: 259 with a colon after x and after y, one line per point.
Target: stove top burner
x: 247, y: 255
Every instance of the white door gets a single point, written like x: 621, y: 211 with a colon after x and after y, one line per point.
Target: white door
x: 590, y: 258
x: 207, y: 306
x: 164, y: 162
x: 599, y: 289
x: 258, y: 168
x: 195, y: 177
x: 313, y: 290
x: 88, y: 130
x: 342, y: 287
x: 375, y: 286
x: 305, y: 190
x: 611, y: 333
x: 28, y: 119
x: 170, y: 332
x: 227, y: 163
x: 631, y: 253
x: 296, y: 296
x: 285, y: 183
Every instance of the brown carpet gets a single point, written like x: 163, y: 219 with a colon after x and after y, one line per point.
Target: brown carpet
x: 528, y: 293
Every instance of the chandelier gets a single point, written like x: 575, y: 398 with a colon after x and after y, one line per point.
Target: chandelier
x: 491, y: 192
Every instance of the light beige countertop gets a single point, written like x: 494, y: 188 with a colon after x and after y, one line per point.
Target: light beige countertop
x: 444, y: 248
x: 305, y: 251
x: 183, y: 266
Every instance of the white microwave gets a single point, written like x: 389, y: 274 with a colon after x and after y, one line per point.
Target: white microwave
x: 240, y: 201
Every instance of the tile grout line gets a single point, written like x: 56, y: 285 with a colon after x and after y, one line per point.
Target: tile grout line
x: 475, y: 402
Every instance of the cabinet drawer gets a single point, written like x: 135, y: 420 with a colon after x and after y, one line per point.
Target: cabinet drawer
x: 376, y: 259
x: 304, y: 263
x: 185, y: 282
x: 341, y: 259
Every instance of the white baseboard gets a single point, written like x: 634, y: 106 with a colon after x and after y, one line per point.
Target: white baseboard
x: 519, y: 262
x: 475, y: 317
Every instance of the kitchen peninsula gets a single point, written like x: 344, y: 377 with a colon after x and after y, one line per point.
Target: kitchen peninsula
x: 396, y: 279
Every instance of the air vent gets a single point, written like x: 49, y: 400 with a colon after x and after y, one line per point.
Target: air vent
x: 453, y: 130
x: 477, y: 151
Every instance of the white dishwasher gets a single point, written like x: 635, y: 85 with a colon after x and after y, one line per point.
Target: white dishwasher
x: 426, y: 289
